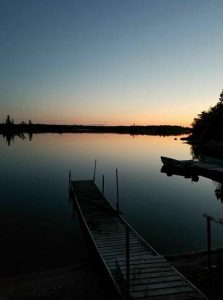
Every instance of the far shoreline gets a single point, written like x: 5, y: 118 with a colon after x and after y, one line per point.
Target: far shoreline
x: 133, y: 129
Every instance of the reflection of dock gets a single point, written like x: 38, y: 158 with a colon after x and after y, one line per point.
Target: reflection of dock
x: 135, y: 268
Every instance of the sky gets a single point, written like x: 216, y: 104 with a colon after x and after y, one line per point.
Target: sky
x: 116, y: 62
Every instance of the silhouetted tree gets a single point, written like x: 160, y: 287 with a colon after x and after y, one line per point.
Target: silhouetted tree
x: 219, y: 191
x: 221, y: 97
x: 9, y: 121
x: 209, y: 124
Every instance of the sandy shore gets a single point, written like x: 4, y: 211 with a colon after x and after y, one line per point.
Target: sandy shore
x: 87, y: 280
x: 79, y: 281
x: 194, y: 266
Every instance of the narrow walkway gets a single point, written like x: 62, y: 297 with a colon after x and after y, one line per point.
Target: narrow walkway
x: 151, y: 276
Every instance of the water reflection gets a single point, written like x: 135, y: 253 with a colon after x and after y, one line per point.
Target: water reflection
x: 35, y: 215
x: 9, y: 136
x: 170, y: 171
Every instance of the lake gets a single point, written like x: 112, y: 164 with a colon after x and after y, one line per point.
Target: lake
x: 37, y: 226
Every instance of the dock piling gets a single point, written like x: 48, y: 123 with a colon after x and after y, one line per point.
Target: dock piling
x: 117, y: 191
x: 69, y: 186
x: 127, y: 265
x: 95, y: 166
x: 209, y: 219
x: 209, y: 242
x: 69, y: 176
x: 103, y: 184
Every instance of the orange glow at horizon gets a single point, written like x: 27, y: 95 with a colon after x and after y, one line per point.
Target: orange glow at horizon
x: 143, y: 120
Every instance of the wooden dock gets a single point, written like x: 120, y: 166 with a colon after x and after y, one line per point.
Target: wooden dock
x: 146, y: 274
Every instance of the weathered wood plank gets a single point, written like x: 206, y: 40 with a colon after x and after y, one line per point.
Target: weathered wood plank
x: 121, y: 246
x: 148, y: 270
x: 145, y: 257
x: 105, y: 243
x: 146, y: 262
x: 141, y: 259
x: 136, y: 255
x: 136, y: 250
x: 162, y: 292
x: 184, y: 296
x: 143, y: 281
x: 162, y: 274
x: 158, y: 286
x: 147, y: 266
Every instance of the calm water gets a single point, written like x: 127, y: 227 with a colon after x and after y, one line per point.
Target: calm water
x: 37, y: 229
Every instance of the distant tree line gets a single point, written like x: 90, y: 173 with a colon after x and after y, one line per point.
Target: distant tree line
x: 9, y: 125
x: 9, y: 129
x: 209, y: 124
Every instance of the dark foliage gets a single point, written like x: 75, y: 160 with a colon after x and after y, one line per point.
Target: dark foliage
x: 9, y: 121
x: 209, y: 124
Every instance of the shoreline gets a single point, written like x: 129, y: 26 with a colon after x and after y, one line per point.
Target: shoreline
x: 88, y: 280
x: 193, y: 253
x: 212, y: 147
x: 132, y: 129
x: 78, y: 281
x: 194, y: 266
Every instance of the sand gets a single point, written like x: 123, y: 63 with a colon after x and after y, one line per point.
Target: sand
x: 87, y: 280
x: 79, y: 281
x: 194, y: 266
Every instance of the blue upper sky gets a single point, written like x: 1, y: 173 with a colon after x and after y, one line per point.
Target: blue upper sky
x: 110, y: 62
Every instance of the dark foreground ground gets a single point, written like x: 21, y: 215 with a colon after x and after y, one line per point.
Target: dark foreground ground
x: 194, y: 267
x: 80, y: 281
x: 87, y: 280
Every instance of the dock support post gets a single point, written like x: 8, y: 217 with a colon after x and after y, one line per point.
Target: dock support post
x: 117, y: 190
x: 95, y: 166
x: 73, y: 211
x: 127, y: 265
x: 209, y: 242
x: 69, y: 177
x: 209, y: 219
x: 103, y: 184
x: 69, y: 186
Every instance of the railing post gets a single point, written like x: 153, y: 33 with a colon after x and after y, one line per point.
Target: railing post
x: 117, y: 190
x: 209, y: 219
x: 209, y: 242
x: 127, y: 265
x: 69, y: 186
x: 103, y: 184
x: 95, y: 165
x: 73, y: 210
x: 69, y: 177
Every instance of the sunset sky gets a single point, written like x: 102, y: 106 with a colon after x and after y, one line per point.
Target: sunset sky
x: 110, y: 62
